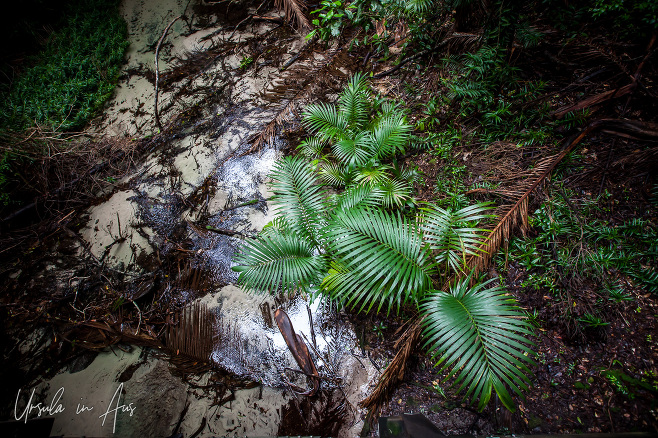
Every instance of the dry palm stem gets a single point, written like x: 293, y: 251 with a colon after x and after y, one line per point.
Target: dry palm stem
x: 395, y: 370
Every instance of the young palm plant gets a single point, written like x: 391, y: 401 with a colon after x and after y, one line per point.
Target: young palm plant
x: 359, y: 247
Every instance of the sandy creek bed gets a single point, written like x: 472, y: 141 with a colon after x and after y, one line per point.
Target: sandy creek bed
x: 206, y: 162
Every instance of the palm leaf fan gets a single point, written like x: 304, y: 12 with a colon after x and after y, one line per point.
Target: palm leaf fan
x: 311, y: 148
x: 373, y: 174
x: 451, y: 234
x: 334, y: 175
x: 276, y: 262
x: 395, y: 192
x: 278, y: 225
x: 365, y: 195
x: 480, y: 336
x: 390, y: 135
x: 353, y: 151
x: 298, y: 197
x: 380, y: 260
x: 324, y: 120
x: 418, y: 6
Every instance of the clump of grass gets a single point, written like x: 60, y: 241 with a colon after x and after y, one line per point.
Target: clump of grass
x: 67, y: 83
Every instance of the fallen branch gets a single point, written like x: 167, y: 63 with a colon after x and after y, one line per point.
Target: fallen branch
x: 595, y: 100
x: 226, y: 232
x: 296, y: 56
x: 157, y: 71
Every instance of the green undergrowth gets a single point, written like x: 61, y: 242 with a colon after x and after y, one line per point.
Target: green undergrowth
x: 65, y: 85
x: 569, y: 241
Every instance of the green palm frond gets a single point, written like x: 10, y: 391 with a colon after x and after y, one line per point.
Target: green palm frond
x: 373, y: 174
x: 480, y: 335
x: 278, y: 225
x: 452, y: 234
x: 365, y: 195
x: 390, y: 135
x: 353, y: 102
x: 386, y: 108
x: 311, y: 148
x: 380, y: 259
x: 352, y: 151
x: 276, y: 262
x: 298, y: 198
x: 334, y: 175
x: 418, y: 6
x: 409, y: 173
x: 324, y: 120
x: 395, y: 192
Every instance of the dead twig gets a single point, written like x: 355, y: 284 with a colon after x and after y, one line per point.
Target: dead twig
x: 157, y: 70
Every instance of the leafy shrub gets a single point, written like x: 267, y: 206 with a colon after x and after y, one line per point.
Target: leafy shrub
x: 628, y: 15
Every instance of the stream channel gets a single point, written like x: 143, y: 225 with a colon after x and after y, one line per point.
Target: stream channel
x: 214, y: 83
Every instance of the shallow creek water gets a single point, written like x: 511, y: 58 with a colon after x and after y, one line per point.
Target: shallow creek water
x: 203, y: 176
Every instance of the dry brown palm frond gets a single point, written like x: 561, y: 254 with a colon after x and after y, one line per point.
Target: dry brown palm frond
x: 317, y: 75
x: 460, y: 42
x: 294, y: 10
x: 268, y: 132
x: 395, y: 370
x: 193, y: 335
x: 517, y: 213
x: 644, y: 159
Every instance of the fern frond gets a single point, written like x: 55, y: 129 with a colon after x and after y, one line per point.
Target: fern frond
x: 380, y: 260
x: 276, y: 262
x: 468, y: 89
x: 480, y: 335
